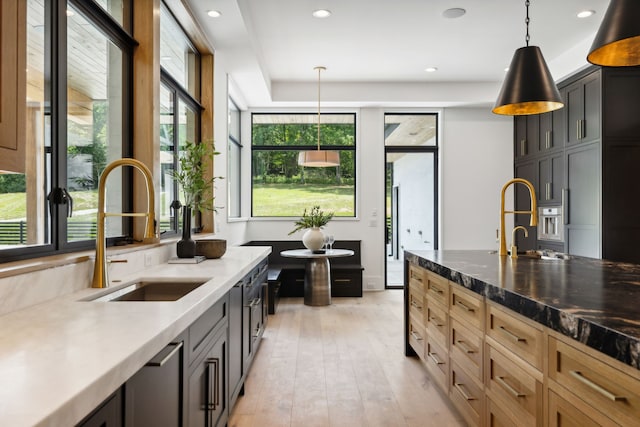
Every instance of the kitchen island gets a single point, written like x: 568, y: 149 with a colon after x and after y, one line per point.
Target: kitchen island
x: 60, y: 359
x: 497, y: 332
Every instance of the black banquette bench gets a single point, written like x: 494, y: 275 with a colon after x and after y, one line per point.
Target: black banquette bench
x: 286, y: 275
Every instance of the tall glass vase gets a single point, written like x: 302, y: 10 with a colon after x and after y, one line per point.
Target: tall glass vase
x: 186, y: 247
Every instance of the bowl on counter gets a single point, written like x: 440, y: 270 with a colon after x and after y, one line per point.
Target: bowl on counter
x: 211, y: 248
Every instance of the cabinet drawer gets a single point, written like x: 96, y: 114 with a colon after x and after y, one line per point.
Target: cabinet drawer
x: 417, y: 276
x: 496, y: 417
x: 467, y: 306
x: 346, y: 283
x: 564, y: 414
x: 466, y: 394
x: 437, y: 321
x: 437, y: 288
x: 416, y: 301
x: 466, y: 347
x: 516, y: 334
x: 199, y: 330
x: 437, y: 361
x: 599, y: 384
x: 518, y: 392
x: 417, y: 335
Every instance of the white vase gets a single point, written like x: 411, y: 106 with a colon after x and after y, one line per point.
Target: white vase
x: 313, y: 239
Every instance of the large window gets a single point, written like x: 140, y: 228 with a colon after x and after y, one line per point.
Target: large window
x: 283, y: 188
x: 72, y: 111
x: 179, y: 113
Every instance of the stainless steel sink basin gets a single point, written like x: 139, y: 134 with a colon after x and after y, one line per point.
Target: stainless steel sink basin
x: 152, y: 290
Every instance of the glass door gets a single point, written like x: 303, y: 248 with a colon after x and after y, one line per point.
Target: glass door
x: 410, y: 188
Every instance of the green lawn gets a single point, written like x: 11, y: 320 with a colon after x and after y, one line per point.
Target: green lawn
x: 14, y: 205
x: 292, y: 199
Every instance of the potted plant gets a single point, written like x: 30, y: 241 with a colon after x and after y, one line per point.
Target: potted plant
x: 197, y: 189
x: 313, y: 238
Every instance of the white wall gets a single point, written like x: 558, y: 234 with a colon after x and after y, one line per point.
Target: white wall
x: 476, y: 159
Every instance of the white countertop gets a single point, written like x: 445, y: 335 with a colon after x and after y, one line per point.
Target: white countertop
x: 61, y: 358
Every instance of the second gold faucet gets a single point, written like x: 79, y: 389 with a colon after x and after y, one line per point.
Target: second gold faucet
x: 533, y: 212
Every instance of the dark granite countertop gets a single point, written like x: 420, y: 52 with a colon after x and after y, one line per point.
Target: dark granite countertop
x: 596, y: 302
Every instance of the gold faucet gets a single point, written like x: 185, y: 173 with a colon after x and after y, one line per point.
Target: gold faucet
x: 534, y: 218
x: 514, y: 248
x: 100, y: 267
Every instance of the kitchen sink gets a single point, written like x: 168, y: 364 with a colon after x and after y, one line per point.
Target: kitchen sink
x: 152, y: 290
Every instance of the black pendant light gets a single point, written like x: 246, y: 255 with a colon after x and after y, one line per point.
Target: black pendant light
x: 528, y: 87
x: 617, y: 43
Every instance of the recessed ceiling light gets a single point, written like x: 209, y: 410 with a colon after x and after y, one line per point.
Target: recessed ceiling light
x: 214, y: 13
x: 454, y: 12
x: 506, y: 69
x: 586, y: 13
x: 321, y: 13
x: 431, y: 69
x: 70, y: 12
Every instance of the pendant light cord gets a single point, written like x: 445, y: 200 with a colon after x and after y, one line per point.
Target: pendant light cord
x: 526, y: 21
x: 319, y: 70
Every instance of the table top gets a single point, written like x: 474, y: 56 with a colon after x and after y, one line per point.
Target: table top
x: 306, y: 253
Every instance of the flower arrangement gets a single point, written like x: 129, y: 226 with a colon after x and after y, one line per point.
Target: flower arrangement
x: 315, y: 218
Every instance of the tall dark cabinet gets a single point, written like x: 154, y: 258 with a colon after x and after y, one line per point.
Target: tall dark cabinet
x: 585, y: 161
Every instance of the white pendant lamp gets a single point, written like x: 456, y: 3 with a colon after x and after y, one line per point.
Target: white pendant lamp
x: 319, y: 158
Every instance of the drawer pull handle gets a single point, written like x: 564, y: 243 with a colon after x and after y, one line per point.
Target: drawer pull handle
x: 176, y: 346
x: 464, y: 347
x: 511, y: 390
x: 603, y: 391
x: 416, y: 277
x: 415, y: 304
x: 436, y: 321
x: 437, y: 290
x: 465, y: 306
x: 435, y: 359
x: 342, y: 280
x: 512, y: 335
x: 459, y: 387
x: 416, y: 336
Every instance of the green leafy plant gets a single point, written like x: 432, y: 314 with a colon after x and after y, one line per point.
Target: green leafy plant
x: 192, y: 175
x: 315, y: 218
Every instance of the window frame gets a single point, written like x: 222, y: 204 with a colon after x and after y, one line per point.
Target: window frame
x: 180, y: 94
x: 55, y: 65
x: 352, y: 148
x: 236, y: 141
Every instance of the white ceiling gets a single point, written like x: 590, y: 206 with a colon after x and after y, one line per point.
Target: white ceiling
x: 376, y: 51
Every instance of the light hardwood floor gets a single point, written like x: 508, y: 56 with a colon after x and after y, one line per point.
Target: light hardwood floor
x: 340, y: 365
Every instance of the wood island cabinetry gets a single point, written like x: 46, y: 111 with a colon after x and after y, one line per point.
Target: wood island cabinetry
x: 500, y: 368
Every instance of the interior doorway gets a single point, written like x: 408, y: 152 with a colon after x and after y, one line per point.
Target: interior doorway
x: 411, y: 198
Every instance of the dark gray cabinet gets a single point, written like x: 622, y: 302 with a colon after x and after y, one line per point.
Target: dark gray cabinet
x: 527, y: 135
x: 593, y: 176
x: 550, y: 179
x: 526, y: 170
x: 582, y: 207
x: 153, y: 396
x: 207, y: 390
x: 582, y: 103
x: 236, y: 360
x: 108, y: 414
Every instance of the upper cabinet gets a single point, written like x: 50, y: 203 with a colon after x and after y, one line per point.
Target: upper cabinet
x: 12, y: 85
x: 582, y: 104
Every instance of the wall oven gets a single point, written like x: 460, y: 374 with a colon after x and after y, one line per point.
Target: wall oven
x: 550, y: 224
